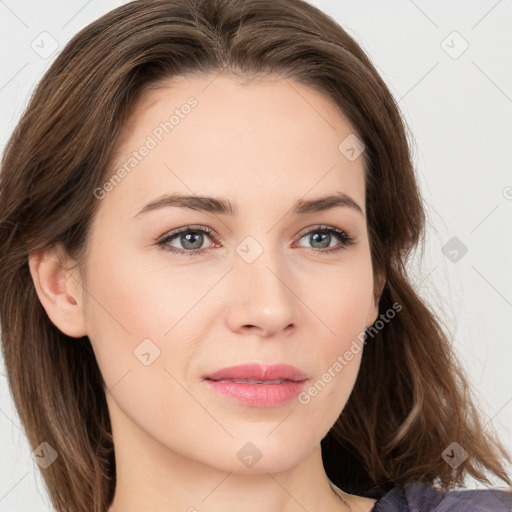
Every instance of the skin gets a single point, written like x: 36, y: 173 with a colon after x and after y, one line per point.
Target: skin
x: 262, y: 145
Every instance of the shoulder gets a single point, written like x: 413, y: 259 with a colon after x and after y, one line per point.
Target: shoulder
x: 423, y: 498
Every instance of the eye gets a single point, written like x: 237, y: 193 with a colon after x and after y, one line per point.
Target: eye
x: 191, y: 239
x: 322, y: 236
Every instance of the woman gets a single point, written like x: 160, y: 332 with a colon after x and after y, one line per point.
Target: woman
x: 206, y: 214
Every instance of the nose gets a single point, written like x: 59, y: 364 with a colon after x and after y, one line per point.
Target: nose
x: 261, y: 296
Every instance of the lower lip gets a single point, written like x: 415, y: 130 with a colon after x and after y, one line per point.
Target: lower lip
x: 258, y: 395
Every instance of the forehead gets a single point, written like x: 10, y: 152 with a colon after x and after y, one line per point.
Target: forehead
x: 219, y: 135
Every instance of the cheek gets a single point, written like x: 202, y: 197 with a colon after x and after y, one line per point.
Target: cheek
x: 343, y: 301
x: 142, y: 310
x: 343, y: 305
x: 130, y: 309
x: 140, y: 299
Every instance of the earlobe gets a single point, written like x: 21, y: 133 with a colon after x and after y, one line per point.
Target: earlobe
x: 58, y: 290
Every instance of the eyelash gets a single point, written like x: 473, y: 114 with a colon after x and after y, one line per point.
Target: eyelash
x: 345, y: 240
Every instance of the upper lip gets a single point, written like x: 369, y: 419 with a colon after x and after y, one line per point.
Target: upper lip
x: 255, y: 371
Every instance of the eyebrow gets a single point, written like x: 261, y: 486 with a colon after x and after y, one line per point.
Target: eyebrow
x: 224, y: 207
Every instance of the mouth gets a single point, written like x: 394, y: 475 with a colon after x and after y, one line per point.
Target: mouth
x: 255, y: 385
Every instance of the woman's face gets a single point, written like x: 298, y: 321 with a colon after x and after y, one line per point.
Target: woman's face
x: 267, y: 286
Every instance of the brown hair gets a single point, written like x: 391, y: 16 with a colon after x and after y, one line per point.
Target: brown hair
x: 411, y: 399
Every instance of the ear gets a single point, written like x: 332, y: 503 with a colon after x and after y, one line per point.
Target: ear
x: 59, y: 290
x: 373, y: 314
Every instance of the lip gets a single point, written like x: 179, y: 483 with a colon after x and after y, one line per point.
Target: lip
x: 256, y: 371
x: 290, y: 383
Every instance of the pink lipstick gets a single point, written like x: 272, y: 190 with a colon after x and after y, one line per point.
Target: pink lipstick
x: 258, y: 385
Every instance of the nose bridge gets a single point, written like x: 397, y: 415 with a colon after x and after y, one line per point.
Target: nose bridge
x: 263, y: 292
x: 262, y: 264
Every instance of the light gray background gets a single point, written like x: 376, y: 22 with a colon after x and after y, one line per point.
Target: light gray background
x: 460, y: 113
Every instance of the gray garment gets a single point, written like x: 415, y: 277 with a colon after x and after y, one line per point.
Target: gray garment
x: 422, y: 498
